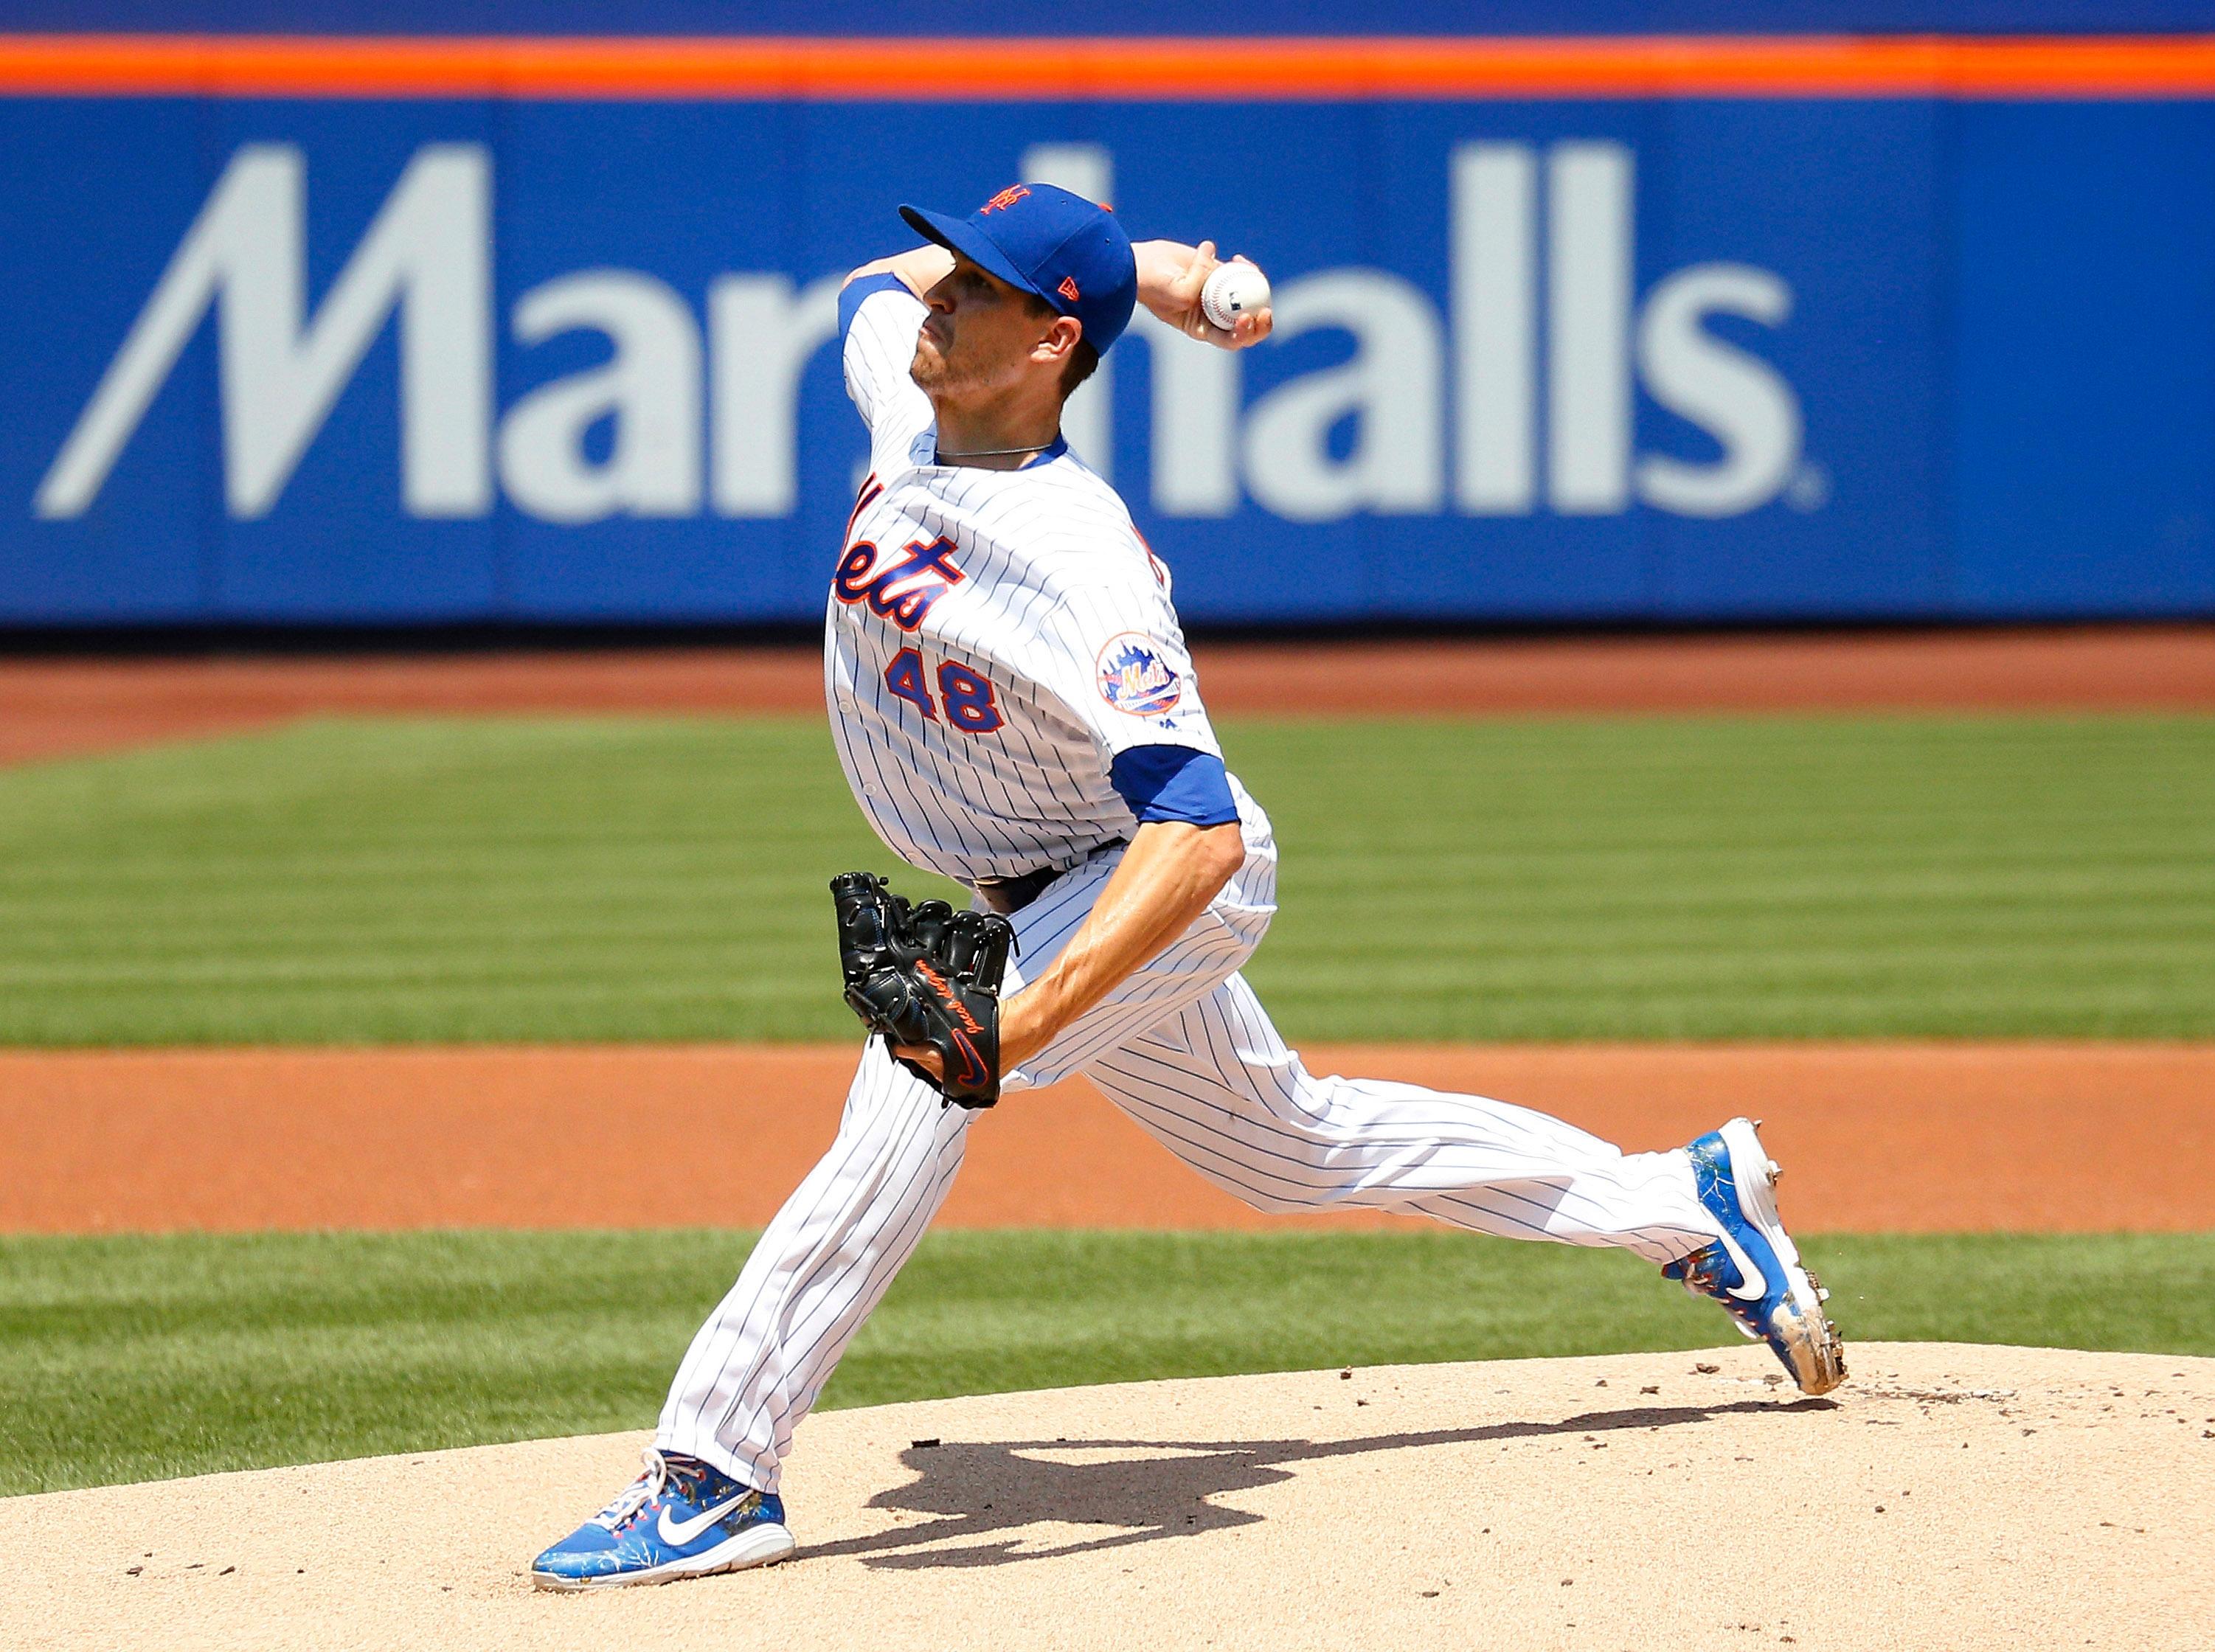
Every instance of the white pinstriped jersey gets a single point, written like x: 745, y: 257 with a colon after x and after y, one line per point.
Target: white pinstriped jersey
x: 995, y: 639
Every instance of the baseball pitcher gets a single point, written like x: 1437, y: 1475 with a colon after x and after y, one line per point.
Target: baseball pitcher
x: 1014, y: 708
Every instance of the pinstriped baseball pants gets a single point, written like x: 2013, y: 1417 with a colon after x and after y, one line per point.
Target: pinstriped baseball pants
x: 1185, y: 1048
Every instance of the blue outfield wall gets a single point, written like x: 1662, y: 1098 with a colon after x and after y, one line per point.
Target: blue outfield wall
x: 1553, y: 361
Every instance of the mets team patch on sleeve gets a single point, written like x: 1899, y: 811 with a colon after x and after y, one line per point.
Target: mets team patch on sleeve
x: 1134, y: 678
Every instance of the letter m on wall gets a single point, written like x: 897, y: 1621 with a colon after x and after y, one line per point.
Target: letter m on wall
x: 427, y: 254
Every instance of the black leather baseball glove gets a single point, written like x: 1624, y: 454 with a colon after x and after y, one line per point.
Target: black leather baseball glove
x: 926, y: 976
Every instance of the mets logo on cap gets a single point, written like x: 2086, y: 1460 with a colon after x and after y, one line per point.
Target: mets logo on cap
x: 1134, y: 678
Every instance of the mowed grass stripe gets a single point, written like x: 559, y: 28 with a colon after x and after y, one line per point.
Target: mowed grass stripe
x: 135, y: 1357
x: 527, y: 879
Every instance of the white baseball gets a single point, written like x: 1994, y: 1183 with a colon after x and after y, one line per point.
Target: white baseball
x: 1232, y: 291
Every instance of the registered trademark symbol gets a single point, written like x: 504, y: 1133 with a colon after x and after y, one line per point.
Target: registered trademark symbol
x: 1809, y: 490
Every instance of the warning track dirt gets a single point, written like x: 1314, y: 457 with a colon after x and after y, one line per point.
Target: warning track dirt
x: 1948, y: 1495
x: 57, y: 707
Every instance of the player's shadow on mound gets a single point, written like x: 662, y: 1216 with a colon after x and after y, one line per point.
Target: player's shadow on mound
x: 1148, y: 1489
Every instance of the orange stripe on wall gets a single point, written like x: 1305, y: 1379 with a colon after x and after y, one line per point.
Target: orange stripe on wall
x: 1231, y: 70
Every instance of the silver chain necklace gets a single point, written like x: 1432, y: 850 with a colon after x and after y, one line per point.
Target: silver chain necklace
x: 998, y: 452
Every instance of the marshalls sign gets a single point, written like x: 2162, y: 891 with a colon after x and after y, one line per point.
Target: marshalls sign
x: 585, y: 374
x: 426, y: 260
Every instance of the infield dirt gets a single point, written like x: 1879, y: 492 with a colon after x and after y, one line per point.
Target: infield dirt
x: 1899, y: 1137
x: 1949, y: 1496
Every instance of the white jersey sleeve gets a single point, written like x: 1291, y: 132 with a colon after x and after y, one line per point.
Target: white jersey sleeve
x: 880, y: 318
x: 1116, y: 661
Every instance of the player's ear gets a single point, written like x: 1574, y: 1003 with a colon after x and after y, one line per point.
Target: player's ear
x: 1059, y: 341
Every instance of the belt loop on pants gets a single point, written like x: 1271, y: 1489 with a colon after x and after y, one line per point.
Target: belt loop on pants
x: 1007, y: 896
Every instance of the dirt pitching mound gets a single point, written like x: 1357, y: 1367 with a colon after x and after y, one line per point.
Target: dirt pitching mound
x: 1948, y: 1495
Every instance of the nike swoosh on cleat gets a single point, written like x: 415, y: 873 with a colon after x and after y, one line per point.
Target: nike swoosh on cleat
x: 677, y: 1533
x: 1751, y: 1285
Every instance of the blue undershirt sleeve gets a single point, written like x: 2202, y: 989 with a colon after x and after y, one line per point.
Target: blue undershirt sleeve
x: 1174, y: 783
x: 860, y: 288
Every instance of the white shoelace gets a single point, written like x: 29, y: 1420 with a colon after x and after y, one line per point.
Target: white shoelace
x: 634, y: 1496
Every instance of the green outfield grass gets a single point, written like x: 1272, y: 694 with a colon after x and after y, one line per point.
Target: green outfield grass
x: 127, y: 1359
x: 637, y: 879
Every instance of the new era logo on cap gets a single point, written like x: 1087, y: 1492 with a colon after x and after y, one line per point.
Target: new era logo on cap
x: 1067, y: 250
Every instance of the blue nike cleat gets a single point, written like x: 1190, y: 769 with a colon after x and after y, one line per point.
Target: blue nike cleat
x: 1754, y: 1270
x: 680, y: 1519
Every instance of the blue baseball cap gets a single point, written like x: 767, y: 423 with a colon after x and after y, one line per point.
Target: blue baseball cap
x: 1046, y: 241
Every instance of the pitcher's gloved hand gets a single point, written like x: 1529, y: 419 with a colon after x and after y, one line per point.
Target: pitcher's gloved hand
x: 926, y: 977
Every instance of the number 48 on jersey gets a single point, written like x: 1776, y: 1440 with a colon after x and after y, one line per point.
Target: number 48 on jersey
x: 968, y: 697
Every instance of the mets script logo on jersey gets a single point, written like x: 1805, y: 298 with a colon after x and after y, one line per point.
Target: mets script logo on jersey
x: 901, y: 588
x: 1134, y: 678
